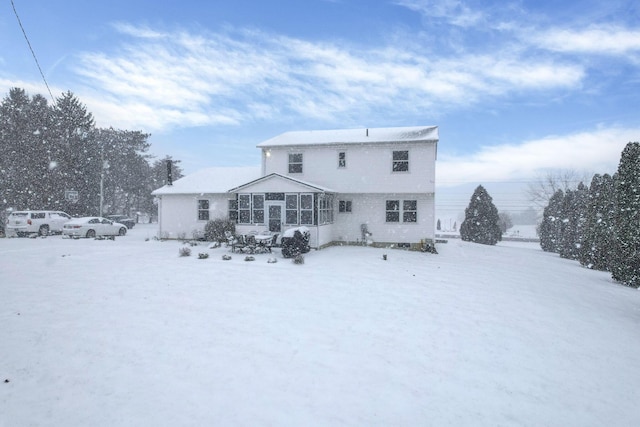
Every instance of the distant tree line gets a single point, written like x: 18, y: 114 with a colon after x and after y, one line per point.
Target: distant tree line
x: 600, y: 225
x: 54, y: 157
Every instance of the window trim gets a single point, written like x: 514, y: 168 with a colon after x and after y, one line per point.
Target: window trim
x: 345, y: 206
x: 399, y: 213
x: 304, y: 210
x: 288, y: 210
x: 256, y: 209
x: 203, y: 212
x: 244, y: 209
x: 342, y: 159
x: 294, y: 165
x: 397, y: 162
x: 325, y: 208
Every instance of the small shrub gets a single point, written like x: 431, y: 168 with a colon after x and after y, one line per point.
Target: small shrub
x: 272, y: 260
x: 203, y: 256
x: 299, y: 259
x: 226, y: 257
x: 184, y: 251
x: 384, y: 257
x: 249, y: 258
x: 182, y: 236
x: 217, y: 230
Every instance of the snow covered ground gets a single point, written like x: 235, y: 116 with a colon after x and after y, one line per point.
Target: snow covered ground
x: 126, y: 333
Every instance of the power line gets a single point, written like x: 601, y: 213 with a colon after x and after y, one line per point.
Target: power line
x: 32, y: 52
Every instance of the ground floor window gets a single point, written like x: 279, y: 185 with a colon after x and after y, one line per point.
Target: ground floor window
x: 298, y: 208
x: 325, y: 209
x: 409, y: 210
x: 258, y: 209
x: 233, y: 210
x: 203, y: 210
x: 344, y: 206
x: 244, y: 209
x: 306, y: 209
x: 291, y: 209
x: 405, y: 209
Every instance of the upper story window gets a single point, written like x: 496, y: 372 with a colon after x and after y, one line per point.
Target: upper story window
x: 400, y: 161
x: 342, y: 159
x: 203, y: 210
x: 295, y: 162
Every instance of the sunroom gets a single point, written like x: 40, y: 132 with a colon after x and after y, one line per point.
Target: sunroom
x: 275, y: 203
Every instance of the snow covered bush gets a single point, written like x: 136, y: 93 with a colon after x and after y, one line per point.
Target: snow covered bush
x: 299, y: 259
x: 226, y: 257
x: 184, y: 251
x: 249, y: 258
x: 218, y: 229
x: 203, y: 255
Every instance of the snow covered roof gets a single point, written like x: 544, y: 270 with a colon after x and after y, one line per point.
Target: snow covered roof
x: 276, y: 176
x: 353, y: 136
x: 211, y: 180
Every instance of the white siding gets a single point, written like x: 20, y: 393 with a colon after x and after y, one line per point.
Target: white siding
x: 179, y: 213
x: 371, y: 209
x: 368, y: 167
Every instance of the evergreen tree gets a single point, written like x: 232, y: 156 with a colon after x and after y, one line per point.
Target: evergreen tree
x: 481, y: 223
x: 574, y: 208
x: 550, y: 230
x: 626, y: 265
x: 46, y: 150
x: 125, y: 170
x: 596, y: 250
x: 76, y: 162
x: 24, y: 123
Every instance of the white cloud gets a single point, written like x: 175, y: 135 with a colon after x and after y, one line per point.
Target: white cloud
x: 455, y: 12
x: 596, y: 39
x: 171, y: 79
x: 596, y: 151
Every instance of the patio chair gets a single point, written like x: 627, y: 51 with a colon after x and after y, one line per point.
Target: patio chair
x: 250, y: 242
x: 239, y: 243
x: 271, y: 243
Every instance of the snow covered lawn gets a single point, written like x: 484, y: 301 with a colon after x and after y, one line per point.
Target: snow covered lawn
x: 126, y: 333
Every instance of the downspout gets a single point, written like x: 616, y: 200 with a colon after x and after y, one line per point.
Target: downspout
x: 159, y: 217
x: 318, y: 232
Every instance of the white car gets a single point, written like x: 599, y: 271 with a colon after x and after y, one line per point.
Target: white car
x: 93, y: 226
x: 25, y: 223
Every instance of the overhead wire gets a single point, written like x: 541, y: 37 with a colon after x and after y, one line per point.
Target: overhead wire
x: 32, y: 51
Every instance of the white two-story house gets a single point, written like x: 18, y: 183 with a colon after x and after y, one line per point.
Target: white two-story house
x: 346, y: 186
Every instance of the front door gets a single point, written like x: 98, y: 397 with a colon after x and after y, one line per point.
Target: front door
x: 275, y: 216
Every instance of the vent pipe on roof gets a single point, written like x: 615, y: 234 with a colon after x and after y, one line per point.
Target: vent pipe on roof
x: 367, y: 131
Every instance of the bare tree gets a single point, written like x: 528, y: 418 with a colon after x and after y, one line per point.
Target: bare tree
x: 505, y: 221
x: 552, y: 180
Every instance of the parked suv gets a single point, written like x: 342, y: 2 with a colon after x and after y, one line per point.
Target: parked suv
x: 24, y: 223
x: 123, y: 219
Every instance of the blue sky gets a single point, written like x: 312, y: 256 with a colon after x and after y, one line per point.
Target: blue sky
x: 517, y: 88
